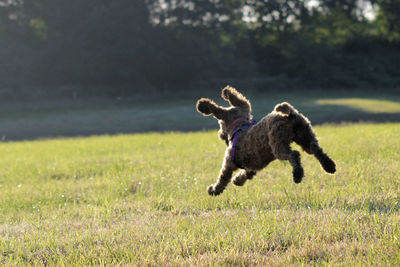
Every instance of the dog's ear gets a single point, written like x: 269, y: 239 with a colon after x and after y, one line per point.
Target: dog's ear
x: 235, y: 98
x: 207, y: 107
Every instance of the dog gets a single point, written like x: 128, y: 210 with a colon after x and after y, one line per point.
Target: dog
x: 252, y: 146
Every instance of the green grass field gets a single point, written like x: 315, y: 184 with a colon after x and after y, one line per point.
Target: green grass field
x: 43, y: 118
x: 141, y: 199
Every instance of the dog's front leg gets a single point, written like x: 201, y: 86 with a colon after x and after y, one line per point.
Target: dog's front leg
x: 241, y: 177
x: 225, y: 175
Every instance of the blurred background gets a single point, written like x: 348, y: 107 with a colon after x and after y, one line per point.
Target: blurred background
x: 77, y: 67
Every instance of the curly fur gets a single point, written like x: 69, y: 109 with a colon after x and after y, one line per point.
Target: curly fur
x: 208, y: 107
x: 235, y: 98
x: 266, y: 141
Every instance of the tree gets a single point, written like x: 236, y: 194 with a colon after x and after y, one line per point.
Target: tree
x: 388, y: 19
x: 196, y: 13
x: 93, y: 41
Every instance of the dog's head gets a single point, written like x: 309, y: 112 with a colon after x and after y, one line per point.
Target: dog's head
x: 240, y: 109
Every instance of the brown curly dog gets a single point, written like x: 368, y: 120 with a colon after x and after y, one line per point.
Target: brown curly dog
x: 253, y: 147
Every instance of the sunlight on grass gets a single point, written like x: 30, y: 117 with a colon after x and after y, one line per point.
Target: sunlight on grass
x: 141, y: 200
x: 367, y: 105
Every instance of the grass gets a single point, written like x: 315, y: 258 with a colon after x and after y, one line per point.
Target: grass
x: 141, y: 199
x: 366, y: 105
x: 41, y: 118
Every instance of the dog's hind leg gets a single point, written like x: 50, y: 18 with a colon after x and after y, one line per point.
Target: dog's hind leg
x: 306, y: 138
x: 225, y: 175
x: 241, y: 177
x: 283, y: 151
x: 326, y: 162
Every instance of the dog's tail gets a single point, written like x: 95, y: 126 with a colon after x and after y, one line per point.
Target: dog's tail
x: 285, y: 109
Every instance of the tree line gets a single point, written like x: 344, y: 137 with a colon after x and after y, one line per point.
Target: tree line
x: 176, y: 43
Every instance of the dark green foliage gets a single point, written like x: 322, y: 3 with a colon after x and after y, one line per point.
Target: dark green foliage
x: 169, y: 44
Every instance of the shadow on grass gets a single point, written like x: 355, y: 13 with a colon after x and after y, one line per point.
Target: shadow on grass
x: 339, y: 110
x: 51, y: 119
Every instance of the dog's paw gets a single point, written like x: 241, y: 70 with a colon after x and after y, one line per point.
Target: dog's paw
x: 211, y: 190
x: 298, y: 174
x: 239, y: 182
x: 329, y: 166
